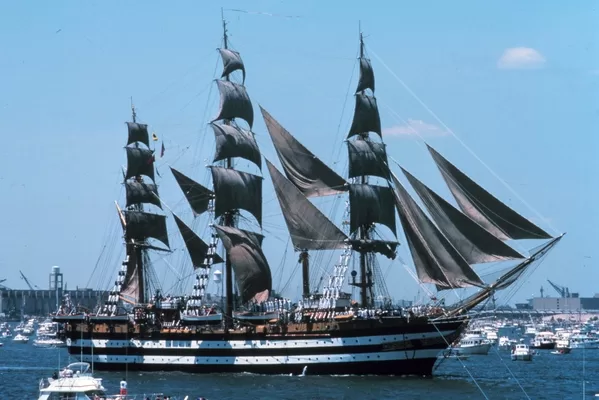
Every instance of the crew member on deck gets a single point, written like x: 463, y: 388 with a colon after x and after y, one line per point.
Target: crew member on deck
x: 123, y: 387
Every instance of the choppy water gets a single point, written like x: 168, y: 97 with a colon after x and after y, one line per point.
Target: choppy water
x: 549, y: 376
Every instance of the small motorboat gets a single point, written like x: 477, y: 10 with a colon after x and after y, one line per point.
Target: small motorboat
x: 75, y: 381
x: 522, y: 353
x: 20, y: 339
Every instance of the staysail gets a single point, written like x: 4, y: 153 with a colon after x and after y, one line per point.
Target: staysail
x: 483, y: 207
x: 309, y: 228
x: 472, y: 241
x: 435, y: 259
x: 306, y: 171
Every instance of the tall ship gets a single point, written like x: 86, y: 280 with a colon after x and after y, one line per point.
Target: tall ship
x: 327, y: 331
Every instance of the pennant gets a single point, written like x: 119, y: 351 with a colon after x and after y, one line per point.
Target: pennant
x: 158, y: 173
x: 154, y: 137
x: 162, y: 150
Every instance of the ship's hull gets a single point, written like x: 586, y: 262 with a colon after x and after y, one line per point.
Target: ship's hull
x: 385, y: 347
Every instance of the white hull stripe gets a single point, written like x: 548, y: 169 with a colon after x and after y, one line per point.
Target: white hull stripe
x: 287, y: 342
x: 268, y: 360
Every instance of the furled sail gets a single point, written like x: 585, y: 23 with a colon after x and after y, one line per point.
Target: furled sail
x: 138, y: 133
x: 366, y: 116
x: 367, y: 158
x: 471, y: 240
x: 199, y: 251
x: 252, y: 272
x: 483, y: 207
x: 197, y: 195
x: 142, y: 225
x: 309, y: 228
x: 310, y: 175
x: 370, y: 204
x: 234, y: 102
x: 139, y: 162
x: 236, y: 189
x: 231, y: 62
x: 435, y: 259
x: 366, y: 75
x: 140, y: 192
x: 232, y: 141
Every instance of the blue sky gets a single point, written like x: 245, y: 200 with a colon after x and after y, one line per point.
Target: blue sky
x: 518, y: 82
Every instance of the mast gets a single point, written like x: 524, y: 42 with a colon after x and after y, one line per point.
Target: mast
x: 365, y: 283
x: 228, y: 218
x: 139, y: 254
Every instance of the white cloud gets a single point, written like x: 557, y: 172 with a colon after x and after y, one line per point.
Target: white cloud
x: 415, y: 127
x: 521, y: 58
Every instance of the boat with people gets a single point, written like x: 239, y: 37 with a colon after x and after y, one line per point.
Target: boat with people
x: 329, y: 330
x: 75, y: 381
x: 522, y: 352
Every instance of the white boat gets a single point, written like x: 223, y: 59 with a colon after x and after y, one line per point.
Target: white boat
x: 562, y: 346
x: 20, y: 339
x: 521, y: 353
x: 473, y: 343
x: 48, y: 342
x: 73, y: 382
x: 581, y: 341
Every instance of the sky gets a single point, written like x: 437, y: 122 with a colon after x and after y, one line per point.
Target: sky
x: 508, y: 91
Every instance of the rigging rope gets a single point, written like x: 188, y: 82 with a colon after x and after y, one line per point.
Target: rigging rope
x: 508, y: 186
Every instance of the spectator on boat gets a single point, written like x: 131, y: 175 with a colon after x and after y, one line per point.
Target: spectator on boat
x: 123, y: 387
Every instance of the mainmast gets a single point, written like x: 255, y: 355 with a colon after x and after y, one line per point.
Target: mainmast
x: 366, y: 283
x: 228, y: 218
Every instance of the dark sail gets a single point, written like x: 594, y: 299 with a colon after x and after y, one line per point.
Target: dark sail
x: 132, y: 287
x: 367, y: 158
x: 366, y: 116
x: 234, y: 190
x: 234, y: 142
x: 370, y: 204
x: 138, y: 133
x: 142, y: 225
x: 252, y: 272
x: 234, y: 102
x: 231, y: 62
x: 435, y: 259
x: 483, y: 207
x: 366, y: 76
x: 139, y: 162
x: 471, y: 240
x: 197, y: 248
x: 197, y: 195
x: 310, y: 175
x: 309, y: 228
x: 140, y: 192
x: 254, y: 236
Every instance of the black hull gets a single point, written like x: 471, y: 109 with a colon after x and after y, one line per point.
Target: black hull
x: 363, y: 347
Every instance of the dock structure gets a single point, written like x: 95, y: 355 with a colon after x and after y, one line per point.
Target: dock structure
x: 15, y: 303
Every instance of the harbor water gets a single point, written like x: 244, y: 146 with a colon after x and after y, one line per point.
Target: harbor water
x: 494, y: 376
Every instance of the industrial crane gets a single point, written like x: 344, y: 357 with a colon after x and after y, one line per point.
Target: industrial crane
x: 1, y: 285
x: 562, y: 290
x: 27, y: 281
